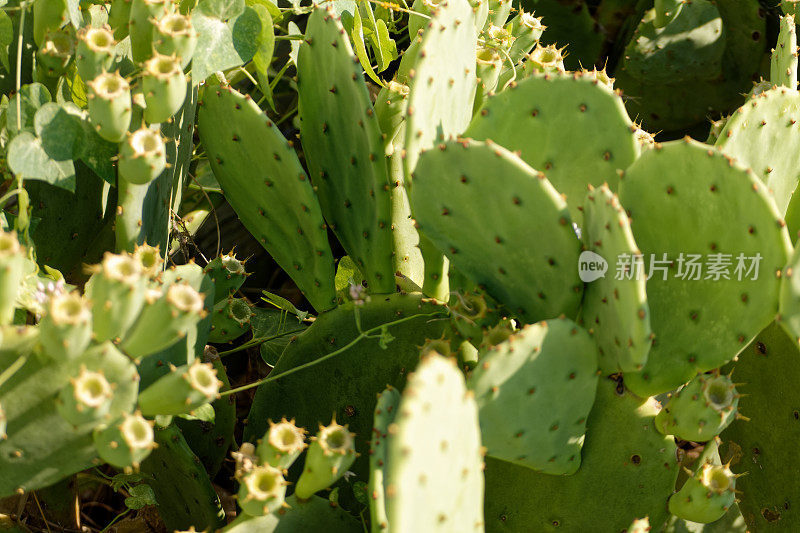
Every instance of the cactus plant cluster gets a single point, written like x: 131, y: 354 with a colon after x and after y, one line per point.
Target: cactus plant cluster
x: 533, y: 263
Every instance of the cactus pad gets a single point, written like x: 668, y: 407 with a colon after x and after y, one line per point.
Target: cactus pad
x: 760, y: 135
x: 434, y: 472
x: 615, y: 311
x: 767, y: 372
x: 352, y: 183
x: 719, y: 215
x: 535, y: 391
x: 627, y: 478
x: 267, y: 187
x: 539, y: 117
x: 460, y: 185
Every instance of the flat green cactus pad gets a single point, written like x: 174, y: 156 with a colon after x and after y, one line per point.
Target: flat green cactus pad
x: 348, y: 383
x: 42, y: 447
x: 572, y: 128
x: 706, y: 300
x: 352, y: 183
x: 768, y: 374
x: 434, y: 474
x: 181, y: 485
x: 615, y: 311
x: 385, y: 413
x: 535, y: 391
x: 268, y: 188
x: 442, y: 83
x: 526, y: 258
x: 761, y: 135
x: 619, y: 479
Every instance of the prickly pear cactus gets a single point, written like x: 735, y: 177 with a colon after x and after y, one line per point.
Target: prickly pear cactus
x: 451, y: 184
x: 434, y: 471
x: 534, y: 393
x: 635, y: 475
x: 706, y: 229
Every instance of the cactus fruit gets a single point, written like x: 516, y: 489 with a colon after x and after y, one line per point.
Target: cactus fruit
x: 231, y: 320
x: 641, y: 525
x: 95, y: 52
x: 164, y: 87
x: 711, y: 219
x: 281, y: 445
x: 544, y: 60
x: 330, y: 454
x: 534, y: 392
x: 142, y: 156
x: 56, y: 52
x: 165, y: 319
x: 150, y: 260
x: 181, y: 391
x: 615, y: 311
x: 433, y: 454
x: 110, y: 106
x: 353, y: 186
x: 700, y: 410
x: 12, y: 268
x: 116, y: 291
x: 175, y: 36
x: 577, y: 100
x: 277, y: 204
x: 48, y: 15
x: 706, y: 496
x: 449, y: 187
x: 228, y: 274
x: 126, y: 443
x: 261, y: 491
x: 143, y: 17
x: 86, y: 399
x: 66, y: 328
x: 526, y: 31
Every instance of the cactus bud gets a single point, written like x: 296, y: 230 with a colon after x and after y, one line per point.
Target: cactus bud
x: 86, y: 399
x: 3, y: 423
x: 95, y: 52
x: 56, y: 52
x: 181, y: 391
x: 175, y: 36
x: 165, y: 321
x: 329, y: 456
x: 65, y: 331
x: 601, y: 76
x: 489, y: 66
x: 164, y: 86
x: 706, y: 496
x: 12, y: 270
x: 142, y: 157
x: 231, y: 319
x: 282, y: 444
x: 48, y: 15
x: 700, y: 410
x: 544, y: 60
x: 125, y: 444
x: 149, y: 258
x: 526, y: 31
x: 228, y: 275
x: 141, y: 26
x: 110, y: 106
x: 116, y: 291
x: 261, y: 491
